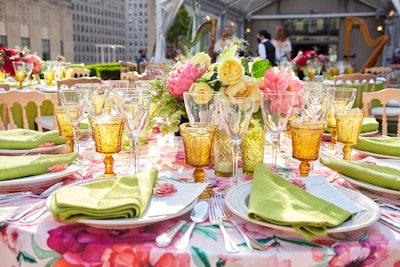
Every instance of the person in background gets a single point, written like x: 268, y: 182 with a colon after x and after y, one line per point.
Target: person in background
x: 60, y: 58
x: 283, y: 46
x: 141, y: 60
x: 227, y: 34
x: 266, y: 50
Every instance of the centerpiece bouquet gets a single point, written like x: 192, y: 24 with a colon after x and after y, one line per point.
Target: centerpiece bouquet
x: 9, y: 55
x: 303, y: 58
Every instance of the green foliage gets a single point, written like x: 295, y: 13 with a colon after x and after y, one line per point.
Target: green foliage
x: 105, y: 71
x: 259, y: 68
x: 179, y: 27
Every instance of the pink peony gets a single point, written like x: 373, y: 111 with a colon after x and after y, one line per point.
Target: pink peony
x: 181, y: 79
x: 36, y: 61
x: 276, y: 79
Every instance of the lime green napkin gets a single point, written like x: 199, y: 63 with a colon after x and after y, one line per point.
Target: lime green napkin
x: 374, y: 174
x: 384, y: 146
x: 276, y: 200
x: 28, y: 139
x: 120, y: 197
x: 12, y: 167
x: 369, y: 124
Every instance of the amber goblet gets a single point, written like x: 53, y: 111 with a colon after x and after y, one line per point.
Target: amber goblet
x: 107, y: 132
x: 198, y: 141
x: 306, y: 141
x: 348, y: 123
x: 65, y: 127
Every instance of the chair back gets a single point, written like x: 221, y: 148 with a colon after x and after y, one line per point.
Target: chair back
x: 78, y: 73
x: 383, y: 96
x: 133, y: 76
x: 363, y: 82
x: 384, y: 72
x: 71, y: 82
x: 126, y: 66
x: 23, y: 98
x: 395, y: 76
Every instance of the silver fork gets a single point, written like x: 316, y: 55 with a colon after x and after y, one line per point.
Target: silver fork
x: 226, y: 216
x: 215, y: 217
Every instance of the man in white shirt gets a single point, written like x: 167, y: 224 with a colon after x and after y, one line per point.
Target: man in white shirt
x: 266, y: 50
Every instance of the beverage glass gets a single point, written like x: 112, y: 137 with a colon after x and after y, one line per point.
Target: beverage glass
x: 22, y: 71
x: 312, y: 70
x: 107, y: 132
x: 65, y: 127
x: 198, y: 140
x: 306, y: 141
x: 349, y: 124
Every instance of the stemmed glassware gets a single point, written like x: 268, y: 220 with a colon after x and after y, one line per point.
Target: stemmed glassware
x: 349, y: 123
x: 134, y: 107
x: 74, y: 101
x: 97, y: 101
x: 312, y: 70
x: 343, y: 99
x: 202, y: 106
x: 317, y: 100
x: 236, y: 113
x: 198, y: 140
x: 22, y: 71
x: 65, y: 127
x: 276, y: 109
x: 107, y: 130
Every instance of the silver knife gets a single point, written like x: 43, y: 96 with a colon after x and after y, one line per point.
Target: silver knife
x: 165, y: 238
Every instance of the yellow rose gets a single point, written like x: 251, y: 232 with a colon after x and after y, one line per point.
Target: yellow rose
x: 204, y: 90
x: 230, y: 71
x: 202, y: 58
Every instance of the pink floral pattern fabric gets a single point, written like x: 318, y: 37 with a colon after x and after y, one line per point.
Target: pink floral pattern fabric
x: 50, y: 243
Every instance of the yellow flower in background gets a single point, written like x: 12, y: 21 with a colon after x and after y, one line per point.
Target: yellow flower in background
x: 202, y: 58
x: 230, y: 71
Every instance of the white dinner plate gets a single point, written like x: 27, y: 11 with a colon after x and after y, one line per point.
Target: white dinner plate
x: 381, y: 156
x: 237, y: 200
x: 361, y: 134
x: 143, y: 220
x: 33, y: 151
x: 36, y: 183
x: 371, y: 187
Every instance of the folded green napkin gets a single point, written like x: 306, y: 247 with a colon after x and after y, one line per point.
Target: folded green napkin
x: 385, y: 146
x: 276, y: 200
x: 28, y: 139
x: 369, y: 124
x: 120, y: 197
x: 12, y: 167
x: 374, y: 174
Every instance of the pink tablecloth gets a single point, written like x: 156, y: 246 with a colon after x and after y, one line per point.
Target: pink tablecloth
x: 50, y: 243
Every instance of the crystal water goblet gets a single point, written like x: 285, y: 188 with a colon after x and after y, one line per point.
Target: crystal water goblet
x: 134, y: 107
x: 201, y: 106
x: 306, y: 141
x: 317, y: 100
x: 107, y: 132
x: 198, y: 141
x: 276, y: 108
x: 235, y: 114
x: 349, y: 124
x: 74, y: 102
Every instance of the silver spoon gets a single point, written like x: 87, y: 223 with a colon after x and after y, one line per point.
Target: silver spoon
x: 42, y: 195
x: 199, y: 214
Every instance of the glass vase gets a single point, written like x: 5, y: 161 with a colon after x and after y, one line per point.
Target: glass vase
x: 253, y: 144
x: 223, y: 154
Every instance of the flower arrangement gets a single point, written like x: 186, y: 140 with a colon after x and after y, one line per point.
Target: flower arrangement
x: 9, y: 55
x: 303, y: 58
x: 231, y: 75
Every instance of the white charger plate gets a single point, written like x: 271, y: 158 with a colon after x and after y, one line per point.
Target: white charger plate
x: 238, y: 197
x: 36, y: 182
x: 381, y: 156
x: 33, y: 151
x: 132, y: 222
x: 371, y: 187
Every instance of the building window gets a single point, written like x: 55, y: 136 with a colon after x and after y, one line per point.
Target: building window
x: 25, y: 42
x: 46, y: 49
x: 3, y: 41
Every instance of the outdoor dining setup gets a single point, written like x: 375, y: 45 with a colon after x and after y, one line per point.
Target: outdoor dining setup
x: 234, y: 163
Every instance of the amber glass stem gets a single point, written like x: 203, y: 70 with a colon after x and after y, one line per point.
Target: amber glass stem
x: 70, y: 145
x: 198, y: 175
x: 346, y: 151
x: 304, y: 168
x: 109, y: 164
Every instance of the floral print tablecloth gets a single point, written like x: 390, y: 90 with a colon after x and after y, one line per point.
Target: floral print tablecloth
x: 50, y: 243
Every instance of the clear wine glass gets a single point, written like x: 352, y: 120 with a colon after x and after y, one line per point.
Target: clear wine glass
x: 236, y: 113
x: 134, y: 107
x: 317, y: 100
x: 276, y: 109
x: 74, y: 101
x: 97, y: 101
